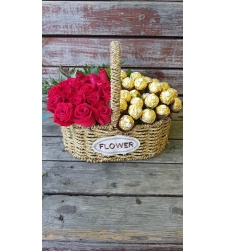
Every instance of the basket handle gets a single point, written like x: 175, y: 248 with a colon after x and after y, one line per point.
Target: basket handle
x: 115, y: 70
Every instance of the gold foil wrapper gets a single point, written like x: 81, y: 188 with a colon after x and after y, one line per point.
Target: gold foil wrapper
x: 173, y: 92
x: 166, y: 97
x: 126, y: 95
x: 164, y: 86
x: 134, y: 93
x: 148, y: 79
x: 123, y: 105
x: 126, y: 122
x: 135, y: 111
x: 155, y: 80
x: 148, y: 116
x: 144, y: 95
x: 177, y: 105
x: 137, y: 101
x: 123, y: 74
x: 140, y: 83
x: 127, y: 83
x: 155, y: 87
x: 135, y: 75
x: 151, y: 101
x: 162, y: 110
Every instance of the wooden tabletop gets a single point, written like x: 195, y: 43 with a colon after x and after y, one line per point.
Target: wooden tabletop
x: 135, y: 205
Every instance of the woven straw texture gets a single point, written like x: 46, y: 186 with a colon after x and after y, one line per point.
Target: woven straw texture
x: 152, y: 137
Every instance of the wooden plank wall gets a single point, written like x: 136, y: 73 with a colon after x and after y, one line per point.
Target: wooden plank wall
x: 76, y: 33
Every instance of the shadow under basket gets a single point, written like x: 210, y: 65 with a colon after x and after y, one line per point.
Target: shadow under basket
x: 100, y: 143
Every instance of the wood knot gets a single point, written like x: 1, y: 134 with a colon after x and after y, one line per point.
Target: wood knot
x: 177, y: 210
x: 141, y: 17
x: 138, y: 201
x: 66, y: 209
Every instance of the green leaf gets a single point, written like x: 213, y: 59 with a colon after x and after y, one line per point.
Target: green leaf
x: 53, y: 81
x: 60, y: 79
x: 44, y: 82
x: 108, y: 73
x: 138, y: 95
x: 45, y: 89
x: 128, y: 72
x: 95, y: 69
x: 64, y: 71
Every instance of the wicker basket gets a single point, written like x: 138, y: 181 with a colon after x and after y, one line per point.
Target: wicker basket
x: 151, y: 138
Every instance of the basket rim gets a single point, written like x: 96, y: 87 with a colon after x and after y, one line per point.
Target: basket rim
x: 109, y: 126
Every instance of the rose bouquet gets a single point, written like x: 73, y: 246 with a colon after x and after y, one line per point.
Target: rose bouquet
x: 82, y: 100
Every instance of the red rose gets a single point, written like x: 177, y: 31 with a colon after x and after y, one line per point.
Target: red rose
x: 67, y: 82
x: 87, y: 89
x: 76, y: 85
x: 64, y: 114
x: 97, y: 104
x: 66, y: 88
x: 86, y: 80
x: 94, y: 78
x: 84, y: 115
x: 93, y: 97
x: 52, y: 102
x: 77, y: 99
x: 54, y: 90
x: 103, y: 74
x: 103, y: 115
x: 105, y: 92
x: 80, y: 76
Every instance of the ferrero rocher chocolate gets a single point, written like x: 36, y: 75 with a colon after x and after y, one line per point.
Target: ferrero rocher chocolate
x: 155, y: 87
x: 140, y: 83
x: 151, y: 101
x: 173, y: 92
x: 123, y: 105
x: 164, y: 86
x: 144, y: 95
x: 148, y: 79
x: 134, y: 93
x: 148, y: 116
x: 176, y: 106
x: 162, y: 110
x: 137, y: 101
x: 125, y: 94
x: 166, y: 97
x: 155, y: 80
x: 123, y: 74
x: 127, y: 83
x: 135, y: 75
x: 135, y: 111
x: 126, y: 122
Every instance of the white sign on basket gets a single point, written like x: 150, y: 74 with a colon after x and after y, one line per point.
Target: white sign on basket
x: 115, y: 145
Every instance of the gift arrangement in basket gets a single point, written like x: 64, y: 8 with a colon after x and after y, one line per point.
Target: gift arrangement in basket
x: 113, y: 115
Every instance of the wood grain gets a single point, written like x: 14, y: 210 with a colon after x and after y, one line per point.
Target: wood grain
x: 112, y: 219
x: 53, y: 149
x: 123, y: 179
x: 173, y: 76
x: 87, y: 246
x: 70, y: 51
x: 112, y: 18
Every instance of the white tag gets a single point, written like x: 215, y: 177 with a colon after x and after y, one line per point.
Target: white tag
x: 115, y: 145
